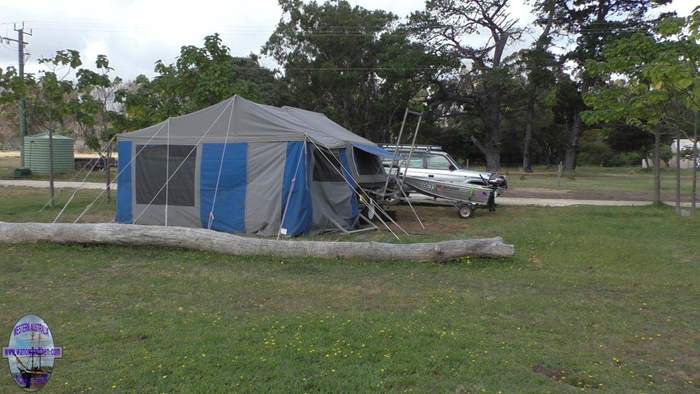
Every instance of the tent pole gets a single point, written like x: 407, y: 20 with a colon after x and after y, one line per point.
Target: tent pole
x: 394, y: 159
x: 194, y: 148
x: 408, y: 161
x: 413, y: 145
x: 356, y: 192
x: 371, y: 201
x: 210, y: 219
x: 92, y: 168
x: 338, y: 225
x: 167, y: 174
x: 89, y: 164
x: 289, y: 195
x: 119, y: 173
x: 411, y: 206
x: 373, y: 226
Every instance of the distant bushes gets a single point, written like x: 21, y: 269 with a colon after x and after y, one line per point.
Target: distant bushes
x: 604, y: 156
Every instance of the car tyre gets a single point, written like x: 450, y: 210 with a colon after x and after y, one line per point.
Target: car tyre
x: 465, y: 211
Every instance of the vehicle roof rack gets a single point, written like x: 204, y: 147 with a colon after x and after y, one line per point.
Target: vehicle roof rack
x: 416, y: 148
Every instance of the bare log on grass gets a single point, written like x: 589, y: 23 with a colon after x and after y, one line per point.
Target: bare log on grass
x: 212, y: 241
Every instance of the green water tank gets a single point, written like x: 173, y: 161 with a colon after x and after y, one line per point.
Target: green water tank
x: 36, y: 153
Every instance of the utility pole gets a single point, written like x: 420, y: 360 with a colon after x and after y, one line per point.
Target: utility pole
x: 20, y: 60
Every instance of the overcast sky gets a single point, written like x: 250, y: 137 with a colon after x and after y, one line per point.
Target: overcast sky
x: 136, y: 33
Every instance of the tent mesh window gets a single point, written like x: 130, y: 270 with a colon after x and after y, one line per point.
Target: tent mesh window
x: 367, y: 163
x: 152, y: 172
x: 325, y: 171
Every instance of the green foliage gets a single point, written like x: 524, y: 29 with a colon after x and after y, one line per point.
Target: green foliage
x: 660, y: 80
x: 628, y: 139
x: 353, y: 64
x: 594, y: 24
x: 666, y: 154
x: 200, y: 77
x: 53, y: 91
x: 12, y: 86
x: 66, y: 96
x: 594, y: 150
x: 94, y: 102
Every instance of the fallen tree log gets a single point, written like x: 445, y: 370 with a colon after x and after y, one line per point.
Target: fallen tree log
x: 213, y: 241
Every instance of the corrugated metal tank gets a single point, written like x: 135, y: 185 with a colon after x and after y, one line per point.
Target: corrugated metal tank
x: 36, y: 153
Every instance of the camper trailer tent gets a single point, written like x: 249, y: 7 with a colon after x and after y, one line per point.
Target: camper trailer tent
x: 242, y: 167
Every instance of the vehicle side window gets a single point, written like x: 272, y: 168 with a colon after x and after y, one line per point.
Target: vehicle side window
x: 416, y: 160
x: 438, y: 162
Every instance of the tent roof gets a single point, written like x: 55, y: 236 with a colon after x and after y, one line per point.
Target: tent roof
x: 246, y: 121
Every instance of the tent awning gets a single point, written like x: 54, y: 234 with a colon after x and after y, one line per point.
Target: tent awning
x: 375, y: 150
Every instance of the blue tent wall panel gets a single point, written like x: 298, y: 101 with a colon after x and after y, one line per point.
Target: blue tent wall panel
x: 229, y: 209
x: 299, y: 213
x: 124, y: 183
x: 352, y: 185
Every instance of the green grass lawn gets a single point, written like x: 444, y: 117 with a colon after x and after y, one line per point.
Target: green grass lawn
x: 631, y: 183
x: 610, y: 181
x: 8, y: 165
x: 595, y: 298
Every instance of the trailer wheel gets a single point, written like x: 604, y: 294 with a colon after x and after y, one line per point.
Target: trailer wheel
x: 465, y: 211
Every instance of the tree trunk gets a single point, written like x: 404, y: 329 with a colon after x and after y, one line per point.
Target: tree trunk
x: 491, y: 153
x: 693, y: 193
x: 108, y: 163
x: 492, y: 149
x: 548, y: 156
x: 527, y: 163
x: 51, y: 188
x: 678, y: 172
x: 572, y: 145
x: 493, y: 160
x: 212, y: 241
x: 657, y: 167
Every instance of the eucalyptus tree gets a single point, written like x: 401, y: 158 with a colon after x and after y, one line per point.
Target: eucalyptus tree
x: 594, y: 23
x: 356, y: 65
x: 480, y: 78
x: 540, y: 67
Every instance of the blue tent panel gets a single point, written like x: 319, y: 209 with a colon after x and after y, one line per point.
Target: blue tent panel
x: 229, y: 207
x: 124, y: 211
x: 375, y: 150
x: 352, y: 185
x: 297, y: 205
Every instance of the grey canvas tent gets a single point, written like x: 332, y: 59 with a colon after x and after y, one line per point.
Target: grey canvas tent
x: 243, y: 167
